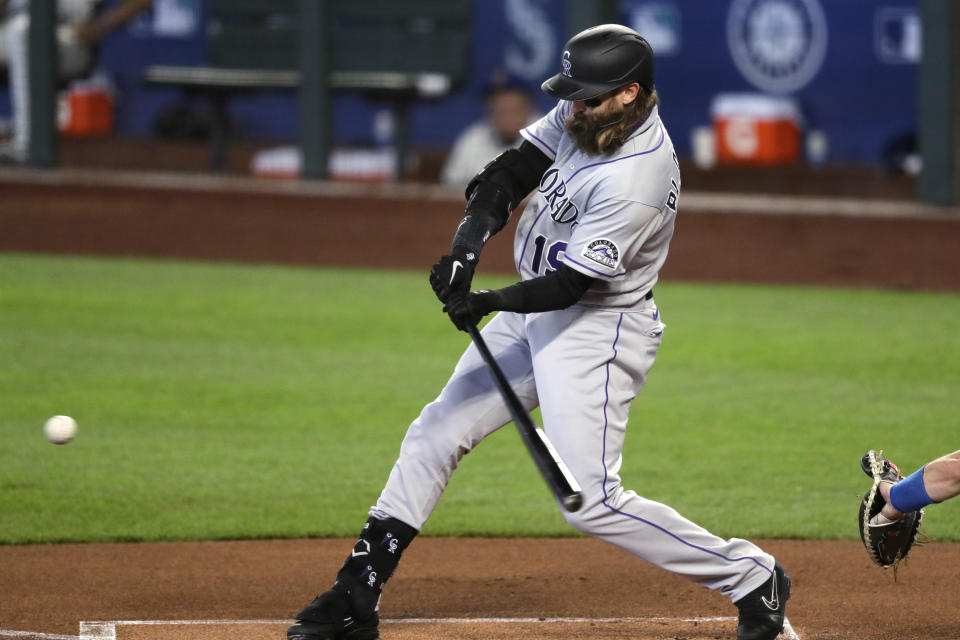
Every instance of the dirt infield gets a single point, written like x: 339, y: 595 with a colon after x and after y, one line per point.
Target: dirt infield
x: 579, y: 587
x: 837, y: 593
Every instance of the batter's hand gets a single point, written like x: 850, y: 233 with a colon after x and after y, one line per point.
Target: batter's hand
x: 467, y: 309
x: 453, y: 273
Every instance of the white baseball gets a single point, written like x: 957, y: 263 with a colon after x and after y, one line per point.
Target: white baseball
x: 60, y: 429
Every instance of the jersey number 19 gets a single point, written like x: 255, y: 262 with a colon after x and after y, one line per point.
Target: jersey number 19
x: 554, y: 252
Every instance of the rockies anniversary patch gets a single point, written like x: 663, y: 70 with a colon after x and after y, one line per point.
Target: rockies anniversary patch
x: 603, y: 251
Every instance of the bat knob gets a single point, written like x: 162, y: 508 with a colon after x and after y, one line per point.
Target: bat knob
x: 573, y: 502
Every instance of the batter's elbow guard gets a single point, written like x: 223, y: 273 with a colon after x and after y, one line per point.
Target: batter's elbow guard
x: 494, y: 193
x: 516, y: 171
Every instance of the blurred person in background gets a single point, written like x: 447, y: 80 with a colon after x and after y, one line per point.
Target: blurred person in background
x: 509, y: 108
x: 81, y: 25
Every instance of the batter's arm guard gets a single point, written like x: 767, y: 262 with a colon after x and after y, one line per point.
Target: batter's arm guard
x: 491, y: 196
x: 517, y: 171
x: 494, y: 193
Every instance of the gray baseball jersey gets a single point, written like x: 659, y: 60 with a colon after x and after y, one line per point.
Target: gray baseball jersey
x: 609, y: 217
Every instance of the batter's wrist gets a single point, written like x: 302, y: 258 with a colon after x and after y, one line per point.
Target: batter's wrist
x: 486, y: 301
x: 462, y: 252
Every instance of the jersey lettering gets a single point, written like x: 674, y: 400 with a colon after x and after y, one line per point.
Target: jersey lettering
x: 672, y: 196
x: 554, y: 190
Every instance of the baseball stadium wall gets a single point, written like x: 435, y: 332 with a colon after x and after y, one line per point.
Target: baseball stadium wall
x: 851, y: 242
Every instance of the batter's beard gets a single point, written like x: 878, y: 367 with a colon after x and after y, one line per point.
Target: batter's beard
x: 595, y: 137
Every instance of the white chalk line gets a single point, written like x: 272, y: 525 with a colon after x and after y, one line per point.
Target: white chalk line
x: 10, y: 633
x: 107, y: 630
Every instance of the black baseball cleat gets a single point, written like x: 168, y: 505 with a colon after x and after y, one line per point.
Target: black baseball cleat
x: 761, y: 610
x: 330, y: 617
x: 875, y: 465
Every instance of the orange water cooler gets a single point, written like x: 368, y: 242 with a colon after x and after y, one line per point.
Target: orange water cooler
x: 85, y: 111
x: 756, y: 129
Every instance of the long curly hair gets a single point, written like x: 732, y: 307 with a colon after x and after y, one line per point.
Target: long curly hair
x: 608, y: 138
x: 611, y: 138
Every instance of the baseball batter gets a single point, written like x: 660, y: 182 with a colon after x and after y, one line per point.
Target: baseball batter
x: 576, y: 336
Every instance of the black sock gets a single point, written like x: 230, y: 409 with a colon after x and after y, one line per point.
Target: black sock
x: 373, y: 560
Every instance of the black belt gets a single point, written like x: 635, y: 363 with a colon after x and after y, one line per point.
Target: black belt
x: 649, y: 295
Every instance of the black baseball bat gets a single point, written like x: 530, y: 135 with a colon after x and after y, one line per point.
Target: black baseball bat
x: 551, y: 466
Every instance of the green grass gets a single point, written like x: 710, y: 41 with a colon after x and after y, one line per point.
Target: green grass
x: 225, y: 401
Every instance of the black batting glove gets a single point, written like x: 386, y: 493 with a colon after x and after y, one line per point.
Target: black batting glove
x: 453, y: 273
x: 467, y: 309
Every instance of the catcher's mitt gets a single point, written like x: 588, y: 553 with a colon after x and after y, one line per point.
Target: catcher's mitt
x: 887, y: 544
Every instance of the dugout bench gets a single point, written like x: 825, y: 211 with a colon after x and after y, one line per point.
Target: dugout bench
x: 398, y: 52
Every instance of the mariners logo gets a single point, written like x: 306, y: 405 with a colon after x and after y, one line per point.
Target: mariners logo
x: 778, y: 45
x: 603, y: 251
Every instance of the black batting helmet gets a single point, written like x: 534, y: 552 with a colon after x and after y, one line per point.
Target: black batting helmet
x: 601, y: 59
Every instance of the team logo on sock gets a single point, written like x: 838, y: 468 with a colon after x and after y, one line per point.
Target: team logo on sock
x: 390, y: 542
